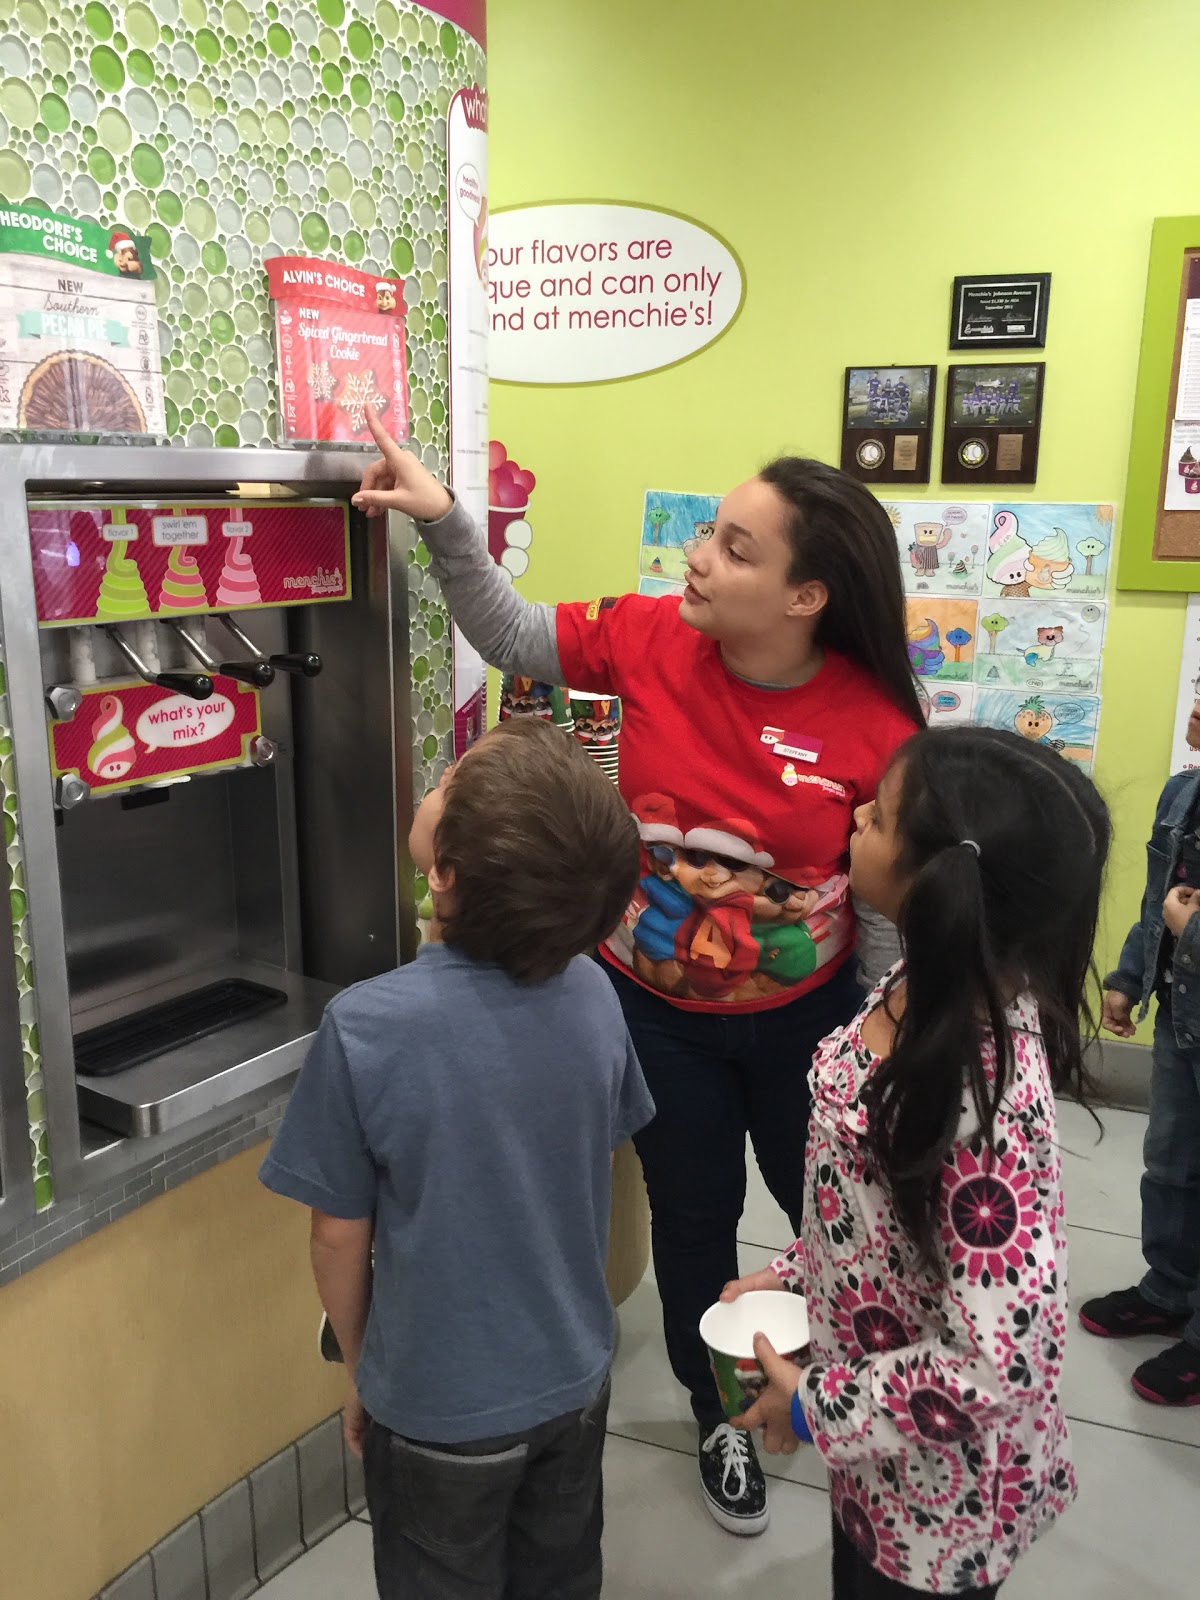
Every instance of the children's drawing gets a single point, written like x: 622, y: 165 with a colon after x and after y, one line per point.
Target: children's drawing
x: 942, y: 544
x: 945, y: 707
x: 1052, y: 647
x: 657, y: 587
x: 1042, y: 551
x: 941, y: 637
x: 1067, y: 723
x: 672, y: 526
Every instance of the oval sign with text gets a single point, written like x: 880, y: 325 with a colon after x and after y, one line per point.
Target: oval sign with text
x: 595, y: 292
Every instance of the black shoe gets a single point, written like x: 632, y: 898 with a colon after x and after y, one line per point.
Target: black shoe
x: 735, y: 1490
x: 1126, y: 1313
x: 1171, y: 1378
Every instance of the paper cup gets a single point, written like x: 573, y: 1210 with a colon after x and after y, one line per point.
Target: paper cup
x: 597, y: 719
x: 728, y: 1331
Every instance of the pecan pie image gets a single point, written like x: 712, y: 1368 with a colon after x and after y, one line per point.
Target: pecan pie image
x: 73, y: 392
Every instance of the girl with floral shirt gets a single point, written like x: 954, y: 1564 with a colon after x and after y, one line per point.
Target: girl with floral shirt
x: 933, y: 1256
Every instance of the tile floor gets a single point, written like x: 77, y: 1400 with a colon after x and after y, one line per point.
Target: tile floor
x: 1139, y: 1466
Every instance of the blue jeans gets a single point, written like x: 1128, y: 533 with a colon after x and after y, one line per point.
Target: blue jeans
x: 715, y: 1078
x: 1171, y: 1182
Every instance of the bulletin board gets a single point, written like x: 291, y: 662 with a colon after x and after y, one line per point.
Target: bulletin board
x: 1160, y: 547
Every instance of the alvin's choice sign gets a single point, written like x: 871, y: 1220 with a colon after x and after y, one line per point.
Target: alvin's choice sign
x: 590, y: 293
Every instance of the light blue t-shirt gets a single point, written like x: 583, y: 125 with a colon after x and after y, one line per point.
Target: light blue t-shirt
x: 475, y: 1119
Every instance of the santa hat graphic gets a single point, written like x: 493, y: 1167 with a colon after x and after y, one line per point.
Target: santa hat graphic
x: 656, y: 819
x: 118, y: 241
x: 733, y: 837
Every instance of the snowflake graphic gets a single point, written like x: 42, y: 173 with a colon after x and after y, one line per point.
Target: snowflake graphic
x: 322, y: 382
x: 360, y: 390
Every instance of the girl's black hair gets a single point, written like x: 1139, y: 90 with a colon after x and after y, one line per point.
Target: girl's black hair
x: 841, y: 535
x: 979, y: 930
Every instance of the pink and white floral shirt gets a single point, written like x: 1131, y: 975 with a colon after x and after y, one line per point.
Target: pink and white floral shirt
x: 934, y: 1397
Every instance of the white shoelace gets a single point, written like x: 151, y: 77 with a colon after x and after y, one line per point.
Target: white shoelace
x: 735, y: 1457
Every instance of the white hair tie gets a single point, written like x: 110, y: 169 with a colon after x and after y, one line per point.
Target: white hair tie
x: 969, y: 844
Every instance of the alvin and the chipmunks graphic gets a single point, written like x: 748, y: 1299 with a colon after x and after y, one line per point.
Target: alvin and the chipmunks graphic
x: 711, y: 919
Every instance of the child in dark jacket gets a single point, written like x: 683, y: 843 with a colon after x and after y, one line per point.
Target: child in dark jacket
x: 1161, y: 959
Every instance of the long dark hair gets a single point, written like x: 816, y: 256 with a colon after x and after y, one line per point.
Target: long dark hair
x: 840, y: 535
x: 1016, y: 917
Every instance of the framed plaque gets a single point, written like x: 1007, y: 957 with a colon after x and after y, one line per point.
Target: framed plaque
x: 887, y: 423
x: 1000, y: 313
x: 993, y: 424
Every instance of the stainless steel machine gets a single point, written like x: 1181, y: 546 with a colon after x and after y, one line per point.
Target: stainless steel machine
x: 208, y: 781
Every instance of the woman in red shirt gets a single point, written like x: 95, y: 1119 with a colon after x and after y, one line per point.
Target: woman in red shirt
x: 758, y: 712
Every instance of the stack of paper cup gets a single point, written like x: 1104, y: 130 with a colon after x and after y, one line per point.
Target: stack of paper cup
x: 526, y: 697
x: 597, y: 719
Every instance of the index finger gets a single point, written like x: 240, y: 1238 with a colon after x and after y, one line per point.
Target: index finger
x: 387, y: 445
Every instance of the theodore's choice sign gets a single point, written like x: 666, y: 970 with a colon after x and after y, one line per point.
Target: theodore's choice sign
x: 591, y: 293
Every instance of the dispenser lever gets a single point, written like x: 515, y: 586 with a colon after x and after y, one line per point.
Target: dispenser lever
x: 196, y: 685
x: 307, y: 663
x: 258, y: 673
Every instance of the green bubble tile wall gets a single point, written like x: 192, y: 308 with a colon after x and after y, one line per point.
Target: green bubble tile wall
x: 229, y: 133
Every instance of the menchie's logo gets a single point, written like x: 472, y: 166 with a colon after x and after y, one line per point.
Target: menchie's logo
x: 318, y: 582
x: 475, y: 108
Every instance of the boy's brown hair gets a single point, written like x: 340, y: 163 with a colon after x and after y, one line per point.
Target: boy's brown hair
x: 544, y: 852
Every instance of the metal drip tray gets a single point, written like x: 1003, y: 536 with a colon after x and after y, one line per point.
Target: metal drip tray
x: 179, y: 1051
x: 116, y: 1046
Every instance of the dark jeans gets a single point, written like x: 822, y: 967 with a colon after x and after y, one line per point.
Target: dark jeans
x: 855, y: 1579
x: 514, y: 1518
x: 1171, y: 1182
x: 714, y: 1079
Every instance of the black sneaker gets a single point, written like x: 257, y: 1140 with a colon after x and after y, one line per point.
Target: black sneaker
x: 735, y: 1490
x: 1126, y: 1313
x: 1171, y: 1378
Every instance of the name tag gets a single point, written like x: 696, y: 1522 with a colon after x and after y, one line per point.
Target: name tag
x: 793, y: 746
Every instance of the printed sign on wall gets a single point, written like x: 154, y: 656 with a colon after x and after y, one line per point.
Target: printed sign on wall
x: 588, y: 293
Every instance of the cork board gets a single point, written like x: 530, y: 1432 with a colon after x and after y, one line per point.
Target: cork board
x: 1160, y: 541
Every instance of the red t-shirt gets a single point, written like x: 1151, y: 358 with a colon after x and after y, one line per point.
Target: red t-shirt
x: 744, y: 799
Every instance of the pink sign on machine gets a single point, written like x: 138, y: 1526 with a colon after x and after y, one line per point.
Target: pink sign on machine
x: 116, y: 563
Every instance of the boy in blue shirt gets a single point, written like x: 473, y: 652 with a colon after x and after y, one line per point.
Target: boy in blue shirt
x: 1162, y: 958
x: 457, y: 1118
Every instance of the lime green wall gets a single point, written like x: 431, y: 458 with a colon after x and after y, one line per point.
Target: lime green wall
x: 857, y: 158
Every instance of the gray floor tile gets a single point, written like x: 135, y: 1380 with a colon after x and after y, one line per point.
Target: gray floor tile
x: 1102, y: 1177
x: 1131, y: 1533
x: 339, y: 1566
x: 661, y: 1544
